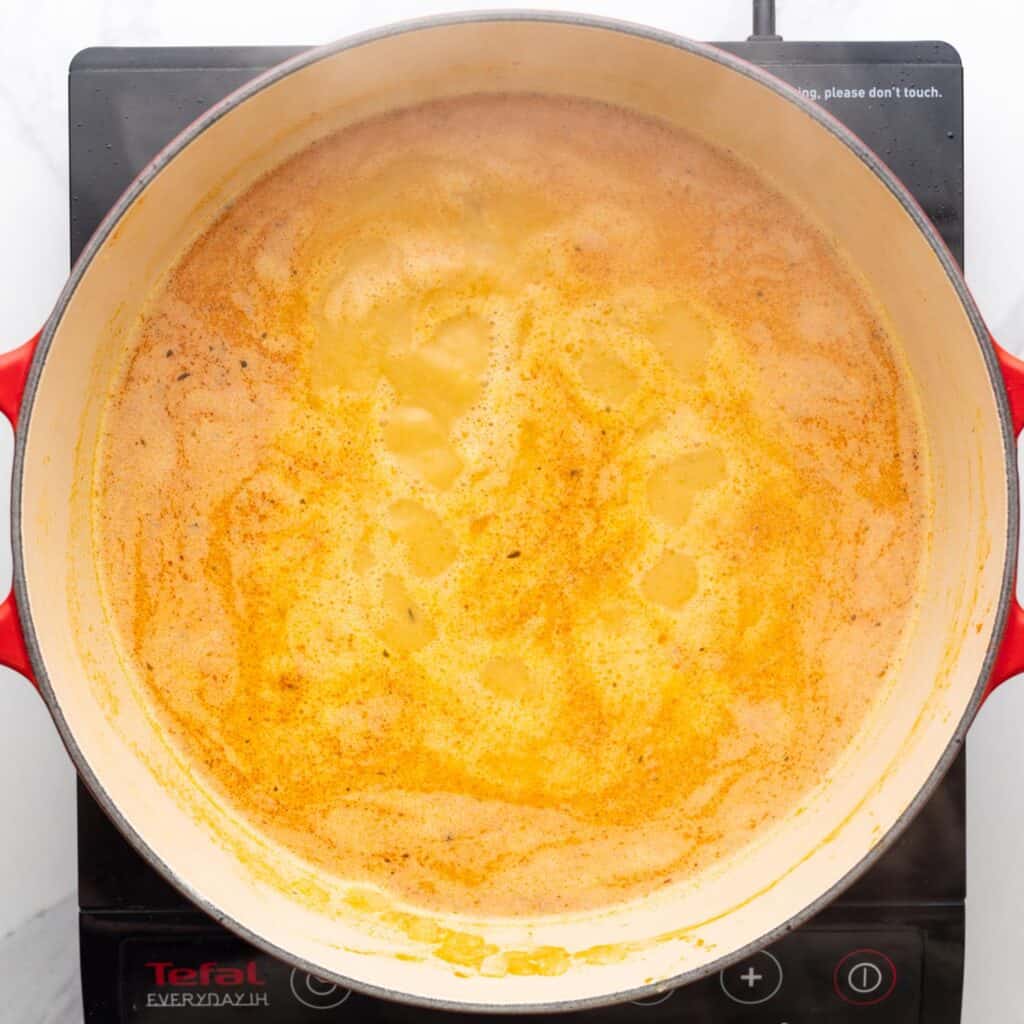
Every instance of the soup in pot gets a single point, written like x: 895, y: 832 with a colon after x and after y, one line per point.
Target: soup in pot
x: 513, y: 503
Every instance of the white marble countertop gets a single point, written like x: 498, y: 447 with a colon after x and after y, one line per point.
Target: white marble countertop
x: 38, y: 933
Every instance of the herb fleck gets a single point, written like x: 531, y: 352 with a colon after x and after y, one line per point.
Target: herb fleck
x: 182, y: 376
x: 411, y: 614
x: 514, y: 554
x: 169, y: 353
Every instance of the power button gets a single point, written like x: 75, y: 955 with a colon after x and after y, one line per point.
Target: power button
x: 864, y: 977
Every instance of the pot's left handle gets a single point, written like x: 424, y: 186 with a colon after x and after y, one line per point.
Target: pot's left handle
x: 13, y: 374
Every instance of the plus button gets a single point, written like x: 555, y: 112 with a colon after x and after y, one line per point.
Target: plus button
x: 751, y: 977
x: 753, y: 980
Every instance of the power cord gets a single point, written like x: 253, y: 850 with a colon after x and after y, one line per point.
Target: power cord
x: 764, y: 22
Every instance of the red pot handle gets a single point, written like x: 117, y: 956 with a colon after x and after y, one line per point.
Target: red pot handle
x: 1010, y: 656
x: 13, y: 374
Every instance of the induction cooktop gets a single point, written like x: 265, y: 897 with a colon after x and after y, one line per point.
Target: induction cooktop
x: 889, y: 950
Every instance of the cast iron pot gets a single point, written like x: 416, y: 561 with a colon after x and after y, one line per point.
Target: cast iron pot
x: 969, y: 638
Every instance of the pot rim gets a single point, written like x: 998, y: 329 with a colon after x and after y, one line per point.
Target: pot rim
x: 708, y: 52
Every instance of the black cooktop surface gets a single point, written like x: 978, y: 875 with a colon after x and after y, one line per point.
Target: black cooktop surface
x: 891, y: 949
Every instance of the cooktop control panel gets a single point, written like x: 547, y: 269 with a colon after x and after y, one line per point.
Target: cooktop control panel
x: 174, y: 973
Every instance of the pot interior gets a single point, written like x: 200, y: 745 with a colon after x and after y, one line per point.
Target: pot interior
x: 309, y: 917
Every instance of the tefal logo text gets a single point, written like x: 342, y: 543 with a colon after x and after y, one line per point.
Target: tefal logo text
x: 166, y: 973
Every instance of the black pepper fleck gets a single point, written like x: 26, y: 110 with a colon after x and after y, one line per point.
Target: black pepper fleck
x: 513, y: 554
x: 182, y: 376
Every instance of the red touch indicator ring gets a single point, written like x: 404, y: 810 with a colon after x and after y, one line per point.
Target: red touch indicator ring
x: 864, y: 977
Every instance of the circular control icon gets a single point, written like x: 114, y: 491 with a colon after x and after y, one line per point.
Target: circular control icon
x: 316, y: 993
x: 752, y: 981
x: 655, y: 1000
x: 864, y: 977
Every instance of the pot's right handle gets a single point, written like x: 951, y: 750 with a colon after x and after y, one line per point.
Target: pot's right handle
x: 13, y: 374
x: 1010, y: 656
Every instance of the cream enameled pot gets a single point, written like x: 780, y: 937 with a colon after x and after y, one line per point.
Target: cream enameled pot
x: 969, y: 636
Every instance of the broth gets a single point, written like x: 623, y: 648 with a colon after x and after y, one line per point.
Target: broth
x: 514, y: 503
